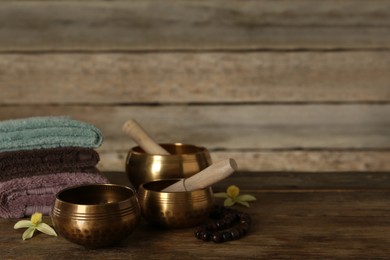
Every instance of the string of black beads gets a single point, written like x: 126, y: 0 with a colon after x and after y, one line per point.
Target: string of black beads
x: 225, y: 224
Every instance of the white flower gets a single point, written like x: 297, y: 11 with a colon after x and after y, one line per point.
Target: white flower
x: 232, y: 196
x: 33, y: 224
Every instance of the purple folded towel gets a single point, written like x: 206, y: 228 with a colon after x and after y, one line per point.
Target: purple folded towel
x: 25, y: 163
x: 22, y: 197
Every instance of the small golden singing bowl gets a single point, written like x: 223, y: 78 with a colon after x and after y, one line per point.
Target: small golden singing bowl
x: 183, y: 161
x: 174, y: 209
x: 96, y: 215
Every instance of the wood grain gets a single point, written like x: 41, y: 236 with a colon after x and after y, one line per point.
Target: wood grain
x: 289, y: 222
x: 124, y: 78
x: 306, y: 160
x: 190, y: 25
x: 267, y: 181
x: 262, y: 137
x: 254, y: 127
x: 305, y: 83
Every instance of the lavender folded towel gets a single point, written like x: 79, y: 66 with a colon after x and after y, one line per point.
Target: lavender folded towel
x: 25, y: 163
x: 22, y: 197
x: 47, y: 132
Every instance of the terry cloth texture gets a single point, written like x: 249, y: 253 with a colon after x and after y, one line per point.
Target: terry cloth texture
x: 22, y: 197
x: 26, y: 163
x: 47, y: 132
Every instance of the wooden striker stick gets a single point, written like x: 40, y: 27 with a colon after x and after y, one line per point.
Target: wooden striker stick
x: 208, y: 176
x: 139, y: 135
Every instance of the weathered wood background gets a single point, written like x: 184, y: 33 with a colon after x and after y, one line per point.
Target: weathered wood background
x: 278, y: 85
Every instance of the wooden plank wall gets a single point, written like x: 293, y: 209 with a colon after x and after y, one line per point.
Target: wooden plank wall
x: 278, y: 85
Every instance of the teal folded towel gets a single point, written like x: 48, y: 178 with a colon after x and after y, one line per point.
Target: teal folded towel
x: 47, y: 132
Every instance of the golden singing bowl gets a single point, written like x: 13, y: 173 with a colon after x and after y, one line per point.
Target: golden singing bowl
x: 174, y: 209
x: 96, y: 215
x: 183, y: 161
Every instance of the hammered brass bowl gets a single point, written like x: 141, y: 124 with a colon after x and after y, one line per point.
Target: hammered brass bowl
x: 174, y: 209
x: 183, y: 161
x: 96, y: 215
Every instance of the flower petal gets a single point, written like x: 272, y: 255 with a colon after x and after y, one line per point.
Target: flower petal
x: 22, y: 224
x: 45, y: 228
x: 246, y: 204
x: 221, y: 195
x: 246, y: 197
x: 28, y: 233
x: 228, y: 202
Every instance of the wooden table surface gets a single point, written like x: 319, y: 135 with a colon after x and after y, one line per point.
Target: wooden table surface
x: 296, y: 215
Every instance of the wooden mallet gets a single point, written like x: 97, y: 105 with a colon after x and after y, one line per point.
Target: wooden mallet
x: 139, y: 135
x: 208, y: 176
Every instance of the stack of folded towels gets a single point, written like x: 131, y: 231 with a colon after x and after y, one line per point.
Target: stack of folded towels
x: 40, y: 156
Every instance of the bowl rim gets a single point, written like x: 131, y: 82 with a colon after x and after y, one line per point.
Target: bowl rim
x: 133, y: 196
x: 202, y: 150
x: 142, y: 186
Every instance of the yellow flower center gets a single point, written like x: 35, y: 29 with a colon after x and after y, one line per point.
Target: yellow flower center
x: 36, y: 218
x: 233, y: 191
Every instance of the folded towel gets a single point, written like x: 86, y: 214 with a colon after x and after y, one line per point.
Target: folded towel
x: 47, y: 132
x: 22, y: 197
x: 25, y: 163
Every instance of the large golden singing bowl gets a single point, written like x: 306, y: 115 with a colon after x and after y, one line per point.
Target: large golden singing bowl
x: 183, y: 161
x: 96, y: 215
x: 174, y: 209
